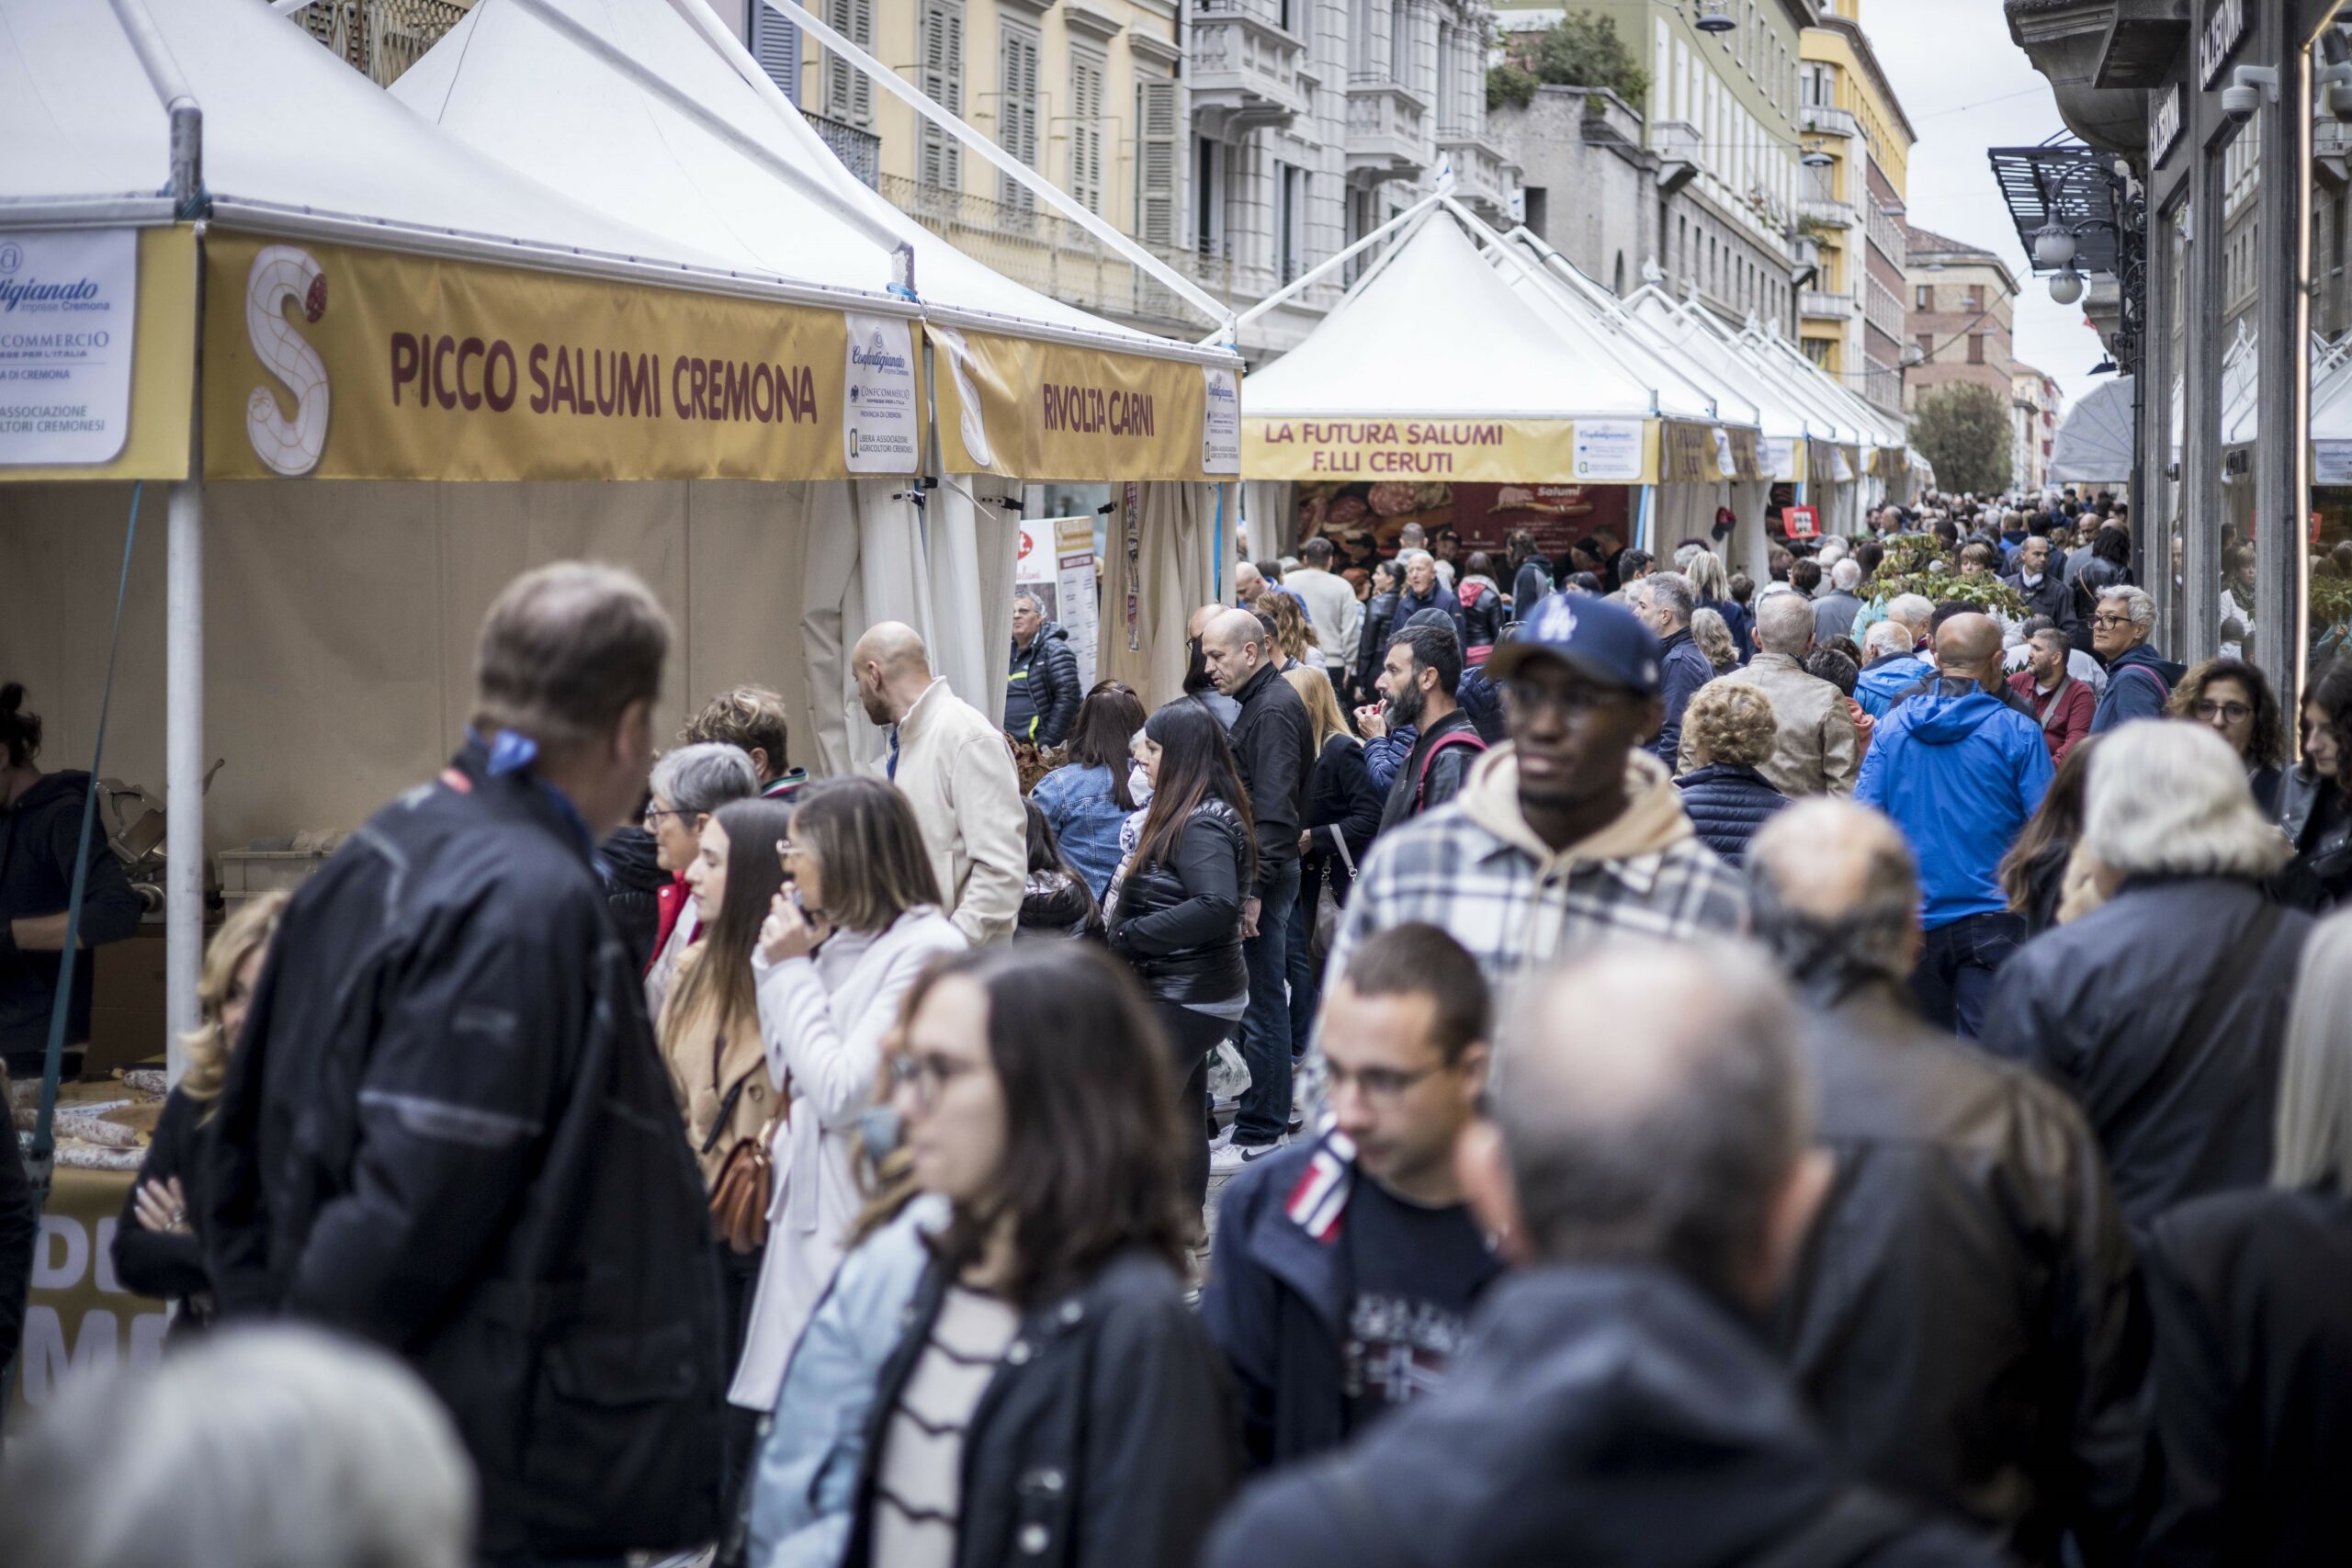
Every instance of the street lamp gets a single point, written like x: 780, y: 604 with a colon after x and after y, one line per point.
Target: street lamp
x: 1714, y: 19
x: 2067, y: 286
x: 1814, y: 158
x: 2054, y: 245
x: 1913, y: 354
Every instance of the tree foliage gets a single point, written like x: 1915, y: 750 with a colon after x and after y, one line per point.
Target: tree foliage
x: 1914, y: 563
x: 1964, y: 430
x: 1578, y: 51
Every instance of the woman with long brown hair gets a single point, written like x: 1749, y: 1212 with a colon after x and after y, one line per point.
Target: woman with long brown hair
x: 841, y: 945
x: 1052, y: 1400
x: 2033, y: 874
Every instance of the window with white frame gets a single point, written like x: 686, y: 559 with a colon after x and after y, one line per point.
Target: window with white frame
x: 1086, y: 71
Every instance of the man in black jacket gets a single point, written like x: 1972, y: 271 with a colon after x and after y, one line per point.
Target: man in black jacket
x: 2040, y: 585
x: 449, y: 1130
x: 1967, y: 1323
x: 1664, y: 602
x: 1041, y: 693
x: 1651, y: 1177
x: 1273, y: 746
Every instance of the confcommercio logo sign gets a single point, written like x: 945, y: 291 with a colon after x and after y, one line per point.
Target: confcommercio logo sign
x: 280, y: 275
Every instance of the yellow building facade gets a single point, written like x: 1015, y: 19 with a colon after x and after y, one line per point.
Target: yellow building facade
x: 1857, y: 145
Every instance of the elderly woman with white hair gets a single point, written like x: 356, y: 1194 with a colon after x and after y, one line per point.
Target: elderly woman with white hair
x: 2162, y: 1012
x: 689, y: 784
x: 2252, y: 1298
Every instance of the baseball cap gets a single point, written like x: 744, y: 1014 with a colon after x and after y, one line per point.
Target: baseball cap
x: 1594, y: 637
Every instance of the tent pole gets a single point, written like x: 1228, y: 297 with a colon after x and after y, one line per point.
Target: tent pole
x: 184, y: 760
x: 1324, y: 269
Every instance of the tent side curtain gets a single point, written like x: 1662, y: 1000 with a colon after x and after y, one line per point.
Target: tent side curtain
x: 1702, y: 454
x: 1420, y: 449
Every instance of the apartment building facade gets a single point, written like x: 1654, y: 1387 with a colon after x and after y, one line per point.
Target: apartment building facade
x: 2034, y: 414
x: 1859, y: 143
x: 1962, y: 301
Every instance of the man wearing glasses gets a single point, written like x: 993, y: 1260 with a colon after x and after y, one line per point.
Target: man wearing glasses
x: 1345, y: 1268
x: 2139, y: 681
x: 1571, y: 833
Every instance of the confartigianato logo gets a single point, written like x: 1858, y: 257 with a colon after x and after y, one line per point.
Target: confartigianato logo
x: 878, y: 357
x: 34, y: 291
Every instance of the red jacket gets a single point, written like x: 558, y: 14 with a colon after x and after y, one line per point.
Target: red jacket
x: 2066, y: 713
x: 672, y: 899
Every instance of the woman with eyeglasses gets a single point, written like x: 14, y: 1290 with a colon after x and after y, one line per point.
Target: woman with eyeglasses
x: 857, y: 921
x: 1053, y: 1401
x: 1176, y: 908
x: 2233, y: 699
x: 688, y: 784
x: 709, y: 1035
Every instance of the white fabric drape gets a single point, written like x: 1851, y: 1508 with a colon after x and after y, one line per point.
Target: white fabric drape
x: 1176, y: 547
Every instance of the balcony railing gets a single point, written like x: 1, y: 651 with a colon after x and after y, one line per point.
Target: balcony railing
x: 1818, y: 302
x: 1056, y: 257
x: 1834, y: 214
x: 382, y: 38
x: 859, y: 150
x: 1480, y: 174
x: 1389, y: 134
x: 1245, y: 67
x: 1820, y: 119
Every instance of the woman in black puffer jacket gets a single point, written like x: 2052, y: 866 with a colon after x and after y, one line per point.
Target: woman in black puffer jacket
x: 1176, y: 904
x: 1379, y: 620
x: 1732, y: 729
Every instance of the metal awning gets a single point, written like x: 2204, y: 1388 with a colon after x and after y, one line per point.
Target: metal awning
x: 2068, y: 184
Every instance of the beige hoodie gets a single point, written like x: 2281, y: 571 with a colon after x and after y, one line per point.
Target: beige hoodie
x: 1653, y: 818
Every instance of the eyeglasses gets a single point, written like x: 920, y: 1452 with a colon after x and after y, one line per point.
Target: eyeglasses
x: 1531, y: 699
x: 2228, y: 712
x: 1381, y: 1086
x: 653, y: 814
x: 926, y: 1073
x: 2111, y: 620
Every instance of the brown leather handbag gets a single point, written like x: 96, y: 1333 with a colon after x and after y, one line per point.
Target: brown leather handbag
x: 739, y: 1197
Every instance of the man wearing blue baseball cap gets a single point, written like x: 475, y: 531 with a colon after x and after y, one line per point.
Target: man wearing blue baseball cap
x: 1572, y: 832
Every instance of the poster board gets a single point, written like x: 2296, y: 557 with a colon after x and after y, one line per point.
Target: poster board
x: 1056, y: 564
x: 1363, y: 519
x: 1801, y: 521
x: 80, y: 1319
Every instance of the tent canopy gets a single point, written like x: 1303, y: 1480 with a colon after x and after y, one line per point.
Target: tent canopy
x: 2095, y: 445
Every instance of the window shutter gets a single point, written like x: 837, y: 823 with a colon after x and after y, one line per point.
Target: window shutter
x: 775, y: 44
x: 1156, y: 166
x: 942, y: 74
x: 849, y: 96
x: 1086, y: 131
x: 1017, y: 119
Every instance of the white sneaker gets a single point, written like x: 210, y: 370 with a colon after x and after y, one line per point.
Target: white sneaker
x: 1223, y: 1138
x: 1235, y: 1158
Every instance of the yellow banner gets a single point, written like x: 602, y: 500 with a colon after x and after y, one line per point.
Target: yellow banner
x: 1496, y: 451
x: 1033, y: 410
x: 1708, y: 454
x: 163, y: 369
x: 79, y: 1320
x: 341, y: 362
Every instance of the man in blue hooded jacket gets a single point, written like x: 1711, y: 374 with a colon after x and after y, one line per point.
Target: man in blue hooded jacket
x: 1959, y: 772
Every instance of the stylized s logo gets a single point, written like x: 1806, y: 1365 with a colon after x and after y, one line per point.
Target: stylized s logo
x: 281, y: 273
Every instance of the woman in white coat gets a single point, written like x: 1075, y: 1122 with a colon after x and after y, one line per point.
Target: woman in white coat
x: 857, y: 922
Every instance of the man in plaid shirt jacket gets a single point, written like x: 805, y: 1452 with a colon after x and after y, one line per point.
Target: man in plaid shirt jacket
x: 1570, y: 835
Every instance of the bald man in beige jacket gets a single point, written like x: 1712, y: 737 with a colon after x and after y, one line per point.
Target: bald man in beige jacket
x: 951, y: 763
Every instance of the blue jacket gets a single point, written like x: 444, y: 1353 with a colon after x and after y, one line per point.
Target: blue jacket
x: 807, y: 1477
x: 1408, y: 605
x: 1727, y: 804
x: 1384, y: 754
x: 1685, y: 669
x: 2139, y: 683
x: 1958, y: 775
x: 1276, y: 1301
x: 1084, y: 813
x: 1880, y: 683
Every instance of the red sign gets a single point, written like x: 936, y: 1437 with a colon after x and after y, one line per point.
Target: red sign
x: 1801, y: 521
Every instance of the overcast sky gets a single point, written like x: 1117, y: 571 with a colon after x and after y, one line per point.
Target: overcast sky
x: 1965, y: 87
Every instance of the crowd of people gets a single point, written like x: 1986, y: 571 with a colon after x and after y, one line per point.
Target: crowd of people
x: 1782, y: 1073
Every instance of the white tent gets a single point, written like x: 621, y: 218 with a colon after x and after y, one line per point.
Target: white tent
x: 2095, y: 445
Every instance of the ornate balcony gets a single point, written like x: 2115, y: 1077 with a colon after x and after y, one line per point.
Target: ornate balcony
x: 1245, y: 68
x: 1388, y: 132
x: 1482, y: 174
x: 1830, y: 213
x: 1820, y: 119
x: 1815, y: 304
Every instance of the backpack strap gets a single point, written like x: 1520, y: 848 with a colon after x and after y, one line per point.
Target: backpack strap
x: 2163, y: 689
x: 1469, y: 738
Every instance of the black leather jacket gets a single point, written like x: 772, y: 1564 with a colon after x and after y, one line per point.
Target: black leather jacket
x: 1178, y: 922
x: 2320, y: 878
x: 1967, y: 1323
x: 1106, y: 1438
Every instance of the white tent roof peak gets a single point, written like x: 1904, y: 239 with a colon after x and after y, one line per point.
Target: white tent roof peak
x: 528, y: 93
x: 72, y: 85
x: 1476, y: 349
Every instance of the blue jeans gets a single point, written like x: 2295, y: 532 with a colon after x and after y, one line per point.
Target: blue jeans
x: 1265, y: 1028
x: 1306, y: 993
x: 1957, y: 962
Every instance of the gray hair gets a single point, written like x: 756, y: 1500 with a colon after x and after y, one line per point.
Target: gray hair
x: 1708, y: 579
x: 1914, y: 610
x: 1833, y: 550
x: 699, y: 780
x: 1837, y: 892
x: 1847, y: 575
x: 2170, y: 799
x: 1686, y: 553
x: 1640, y: 1133
x: 1025, y: 597
x: 2136, y: 603
x: 267, y: 1447
x: 1886, y: 637
x: 1784, y: 624
x: 2314, y: 1133
x: 1670, y: 591
x: 2049, y: 637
